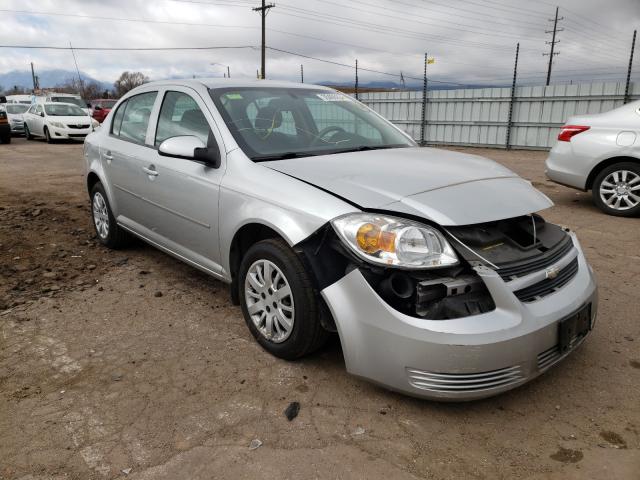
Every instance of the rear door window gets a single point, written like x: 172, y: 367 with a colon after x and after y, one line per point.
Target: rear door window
x: 135, y: 118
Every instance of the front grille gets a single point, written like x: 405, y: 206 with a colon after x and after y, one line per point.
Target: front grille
x: 464, y: 382
x: 548, y: 285
x: 525, y: 268
x: 77, y: 126
x: 552, y: 355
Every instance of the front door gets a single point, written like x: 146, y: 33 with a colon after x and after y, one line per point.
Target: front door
x: 184, y: 193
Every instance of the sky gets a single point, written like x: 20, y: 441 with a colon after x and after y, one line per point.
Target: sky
x: 472, y: 41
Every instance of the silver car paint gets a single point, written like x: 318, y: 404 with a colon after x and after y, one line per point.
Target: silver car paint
x: 199, y: 211
x: 612, y: 134
x: 435, y: 188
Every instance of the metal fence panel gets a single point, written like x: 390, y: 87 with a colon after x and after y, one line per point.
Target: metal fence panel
x: 479, y: 116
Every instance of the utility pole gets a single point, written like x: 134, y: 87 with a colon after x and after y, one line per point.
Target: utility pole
x: 356, y: 79
x: 626, y: 88
x: 33, y: 77
x: 301, y: 73
x: 513, y: 99
x: 553, y: 43
x: 263, y: 11
x: 423, y: 120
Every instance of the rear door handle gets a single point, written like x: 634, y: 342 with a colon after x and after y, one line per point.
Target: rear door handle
x: 108, y: 156
x: 150, y: 171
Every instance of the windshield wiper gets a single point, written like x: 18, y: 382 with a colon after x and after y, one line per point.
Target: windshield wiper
x: 364, y: 148
x: 282, y: 156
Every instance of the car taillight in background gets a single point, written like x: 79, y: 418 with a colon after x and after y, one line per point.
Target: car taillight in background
x: 569, y: 131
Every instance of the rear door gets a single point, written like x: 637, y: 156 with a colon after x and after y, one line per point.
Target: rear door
x: 123, y: 152
x: 183, y: 194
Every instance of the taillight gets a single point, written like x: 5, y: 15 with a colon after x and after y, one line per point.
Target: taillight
x: 569, y: 131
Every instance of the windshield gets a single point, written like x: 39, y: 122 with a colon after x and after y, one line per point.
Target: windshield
x: 275, y: 123
x: 64, y: 111
x: 17, y: 108
x: 76, y: 101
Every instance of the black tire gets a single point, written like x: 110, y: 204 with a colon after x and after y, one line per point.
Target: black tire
x: 115, y: 237
x: 6, y: 139
x: 597, y: 183
x: 47, y: 135
x: 27, y: 132
x: 307, y: 334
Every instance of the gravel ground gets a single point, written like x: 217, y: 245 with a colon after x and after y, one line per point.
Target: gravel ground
x: 131, y: 364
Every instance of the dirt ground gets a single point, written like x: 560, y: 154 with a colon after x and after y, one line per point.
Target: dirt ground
x: 131, y: 364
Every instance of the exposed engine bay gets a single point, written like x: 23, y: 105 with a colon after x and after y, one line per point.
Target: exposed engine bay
x: 513, y: 247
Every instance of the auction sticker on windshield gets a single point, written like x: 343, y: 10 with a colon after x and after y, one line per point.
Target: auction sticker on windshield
x: 332, y: 97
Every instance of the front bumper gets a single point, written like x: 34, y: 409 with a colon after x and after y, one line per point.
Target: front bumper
x: 17, y: 128
x: 461, y: 359
x: 69, y: 133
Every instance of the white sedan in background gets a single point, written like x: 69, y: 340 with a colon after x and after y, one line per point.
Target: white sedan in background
x: 58, y: 121
x: 601, y: 153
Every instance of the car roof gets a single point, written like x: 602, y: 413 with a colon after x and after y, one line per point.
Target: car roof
x: 233, y: 83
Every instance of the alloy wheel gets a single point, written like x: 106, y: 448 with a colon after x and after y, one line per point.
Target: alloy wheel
x: 269, y: 300
x: 100, y: 215
x: 620, y: 190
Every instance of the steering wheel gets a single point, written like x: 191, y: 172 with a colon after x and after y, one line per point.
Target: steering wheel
x: 322, y: 133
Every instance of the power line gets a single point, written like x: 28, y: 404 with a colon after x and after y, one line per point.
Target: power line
x: 133, y: 49
x: 332, y: 62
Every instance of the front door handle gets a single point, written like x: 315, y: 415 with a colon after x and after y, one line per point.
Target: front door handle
x: 108, y: 156
x: 150, y: 171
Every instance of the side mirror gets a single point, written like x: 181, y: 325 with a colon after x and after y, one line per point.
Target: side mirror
x: 42, y: 114
x: 97, y: 107
x: 190, y: 147
x: 3, y: 99
x: 88, y: 105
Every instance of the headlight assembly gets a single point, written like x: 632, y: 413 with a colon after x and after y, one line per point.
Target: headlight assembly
x: 394, y: 242
x: 57, y: 124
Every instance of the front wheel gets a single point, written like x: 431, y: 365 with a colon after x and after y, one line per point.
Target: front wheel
x: 27, y: 132
x: 47, y: 135
x: 109, y: 233
x: 278, y: 301
x: 616, y: 190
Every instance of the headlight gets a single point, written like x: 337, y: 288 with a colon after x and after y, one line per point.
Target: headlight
x: 57, y: 124
x: 394, y: 242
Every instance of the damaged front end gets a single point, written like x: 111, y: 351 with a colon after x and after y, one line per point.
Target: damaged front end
x: 513, y: 247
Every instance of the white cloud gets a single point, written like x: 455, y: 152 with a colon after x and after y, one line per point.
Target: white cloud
x: 472, y: 41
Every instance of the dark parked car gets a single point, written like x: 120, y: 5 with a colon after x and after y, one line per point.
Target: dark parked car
x: 5, y: 128
x: 101, y: 108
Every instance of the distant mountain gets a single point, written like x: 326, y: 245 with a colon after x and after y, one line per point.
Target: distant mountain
x: 47, y: 78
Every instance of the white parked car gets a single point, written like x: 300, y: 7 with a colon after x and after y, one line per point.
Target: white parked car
x: 15, y: 113
x: 58, y: 121
x: 601, y: 153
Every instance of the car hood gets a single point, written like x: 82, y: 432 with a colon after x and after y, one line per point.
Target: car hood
x: 446, y: 187
x: 74, y: 120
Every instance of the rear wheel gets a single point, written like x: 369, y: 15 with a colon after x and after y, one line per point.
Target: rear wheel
x: 616, y: 190
x: 109, y: 233
x: 278, y: 301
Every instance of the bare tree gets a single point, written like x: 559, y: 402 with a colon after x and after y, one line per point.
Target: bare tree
x: 128, y: 81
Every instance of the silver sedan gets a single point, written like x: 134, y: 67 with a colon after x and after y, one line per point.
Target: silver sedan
x: 601, y: 153
x: 432, y: 266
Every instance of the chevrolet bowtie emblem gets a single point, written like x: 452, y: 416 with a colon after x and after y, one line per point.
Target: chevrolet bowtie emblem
x: 552, y: 272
